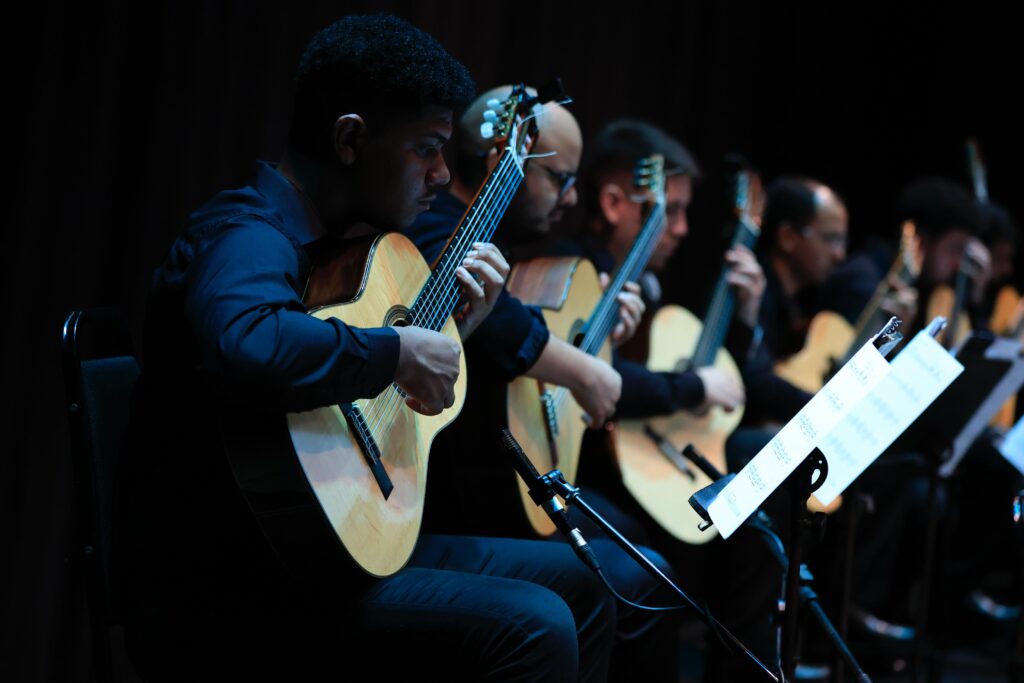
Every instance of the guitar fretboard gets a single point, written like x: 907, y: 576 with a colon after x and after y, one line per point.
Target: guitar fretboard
x: 602, y: 321
x: 440, y: 294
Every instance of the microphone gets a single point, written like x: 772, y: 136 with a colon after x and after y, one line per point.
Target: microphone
x: 546, y: 499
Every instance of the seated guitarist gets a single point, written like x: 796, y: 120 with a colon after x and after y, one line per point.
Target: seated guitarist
x: 613, y: 222
x: 736, y: 577
x: 946, y: 222
x: 227, y: 333
x: 803, y: 239
x: 471, y: 487
x: 888, y: 561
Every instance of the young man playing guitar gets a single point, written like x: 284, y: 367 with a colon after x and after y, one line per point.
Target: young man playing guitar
x: 228, y: 336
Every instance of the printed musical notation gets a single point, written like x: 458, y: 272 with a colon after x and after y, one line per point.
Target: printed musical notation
x: 917, y: 376
x: 800, y: 436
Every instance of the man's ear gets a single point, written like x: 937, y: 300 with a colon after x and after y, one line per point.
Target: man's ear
x: 613, y: 202
x: 786, y: 237
x: 349, y: 132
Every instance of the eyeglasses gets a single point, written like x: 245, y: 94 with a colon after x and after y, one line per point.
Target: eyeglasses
x: 563, y: 179
x: 834, y: 240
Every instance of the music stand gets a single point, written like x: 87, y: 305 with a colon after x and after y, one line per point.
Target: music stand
x: 993, y: 371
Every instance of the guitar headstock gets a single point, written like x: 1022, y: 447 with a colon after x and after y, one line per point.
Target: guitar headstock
x: 512, y: 123
x: 910, y: 250
x: 649, y: 180
x: 749, y: 199
x: 976, y: 167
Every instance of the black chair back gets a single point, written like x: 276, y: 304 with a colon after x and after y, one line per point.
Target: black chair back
x: 100, y: 372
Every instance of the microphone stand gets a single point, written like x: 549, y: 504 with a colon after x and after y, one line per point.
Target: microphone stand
x: 544, y: 488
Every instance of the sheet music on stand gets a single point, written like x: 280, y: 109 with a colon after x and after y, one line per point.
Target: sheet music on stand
x: 926, y: 370
x: 993, y: 354
x: 784, y: 453
x: 918, y: 375
x: 1012, y: 447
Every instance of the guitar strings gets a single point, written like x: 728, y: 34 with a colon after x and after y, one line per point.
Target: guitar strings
x: 440, y: 295
x: 383, y: 411
x: 606, y: 316
x: 490, y: 210
x: 635, y: 260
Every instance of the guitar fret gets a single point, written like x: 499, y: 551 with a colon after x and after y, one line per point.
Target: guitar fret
x: 440, y: 294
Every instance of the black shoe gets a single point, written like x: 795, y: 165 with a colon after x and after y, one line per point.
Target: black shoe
x: 983, y: 604
x: 813, y: 673
x: 870, y: 624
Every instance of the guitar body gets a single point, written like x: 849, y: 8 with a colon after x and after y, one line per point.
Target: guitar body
x: 1004, y: 311
x: 386, y: 273
x: 1002, y: 323
x: 654, y: 481
x: 567, y: 289
x: 943, y: 302
x: 829, y: 337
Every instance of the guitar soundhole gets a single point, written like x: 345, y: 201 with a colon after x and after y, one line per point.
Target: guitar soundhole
x: 576, y: 333
x: 397, y: 316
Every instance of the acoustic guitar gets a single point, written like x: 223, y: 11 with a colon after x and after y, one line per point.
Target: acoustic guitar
x: 832, y: 341
x: 948, y: 302
x: 361, y: 467
x: 649, y: 451
x: 547, y: 420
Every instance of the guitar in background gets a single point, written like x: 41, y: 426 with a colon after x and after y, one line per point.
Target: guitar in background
x: 545, y: 419
x: 648, y: 451
x: 832, y: 341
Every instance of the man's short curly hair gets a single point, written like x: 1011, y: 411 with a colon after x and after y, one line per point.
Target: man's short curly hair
x: 937, y: 206
x: 378, y: 66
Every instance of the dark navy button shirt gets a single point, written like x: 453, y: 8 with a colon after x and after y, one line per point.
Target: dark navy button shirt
x: 235, y: 280
x: 227, y: 335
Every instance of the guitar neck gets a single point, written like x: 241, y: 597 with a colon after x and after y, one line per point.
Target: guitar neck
x: 873, y: 317
x: 602, y: 321
x: 963, y: 282
x: 723, y: 302
x: 440, y: 294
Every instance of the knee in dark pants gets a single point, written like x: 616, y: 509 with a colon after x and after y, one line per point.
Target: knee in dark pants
x: 542, y: 641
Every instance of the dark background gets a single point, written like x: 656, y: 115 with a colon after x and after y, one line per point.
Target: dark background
x: 127, y: 117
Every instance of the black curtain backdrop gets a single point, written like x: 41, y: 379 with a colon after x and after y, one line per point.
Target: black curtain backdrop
x: 127, y: 117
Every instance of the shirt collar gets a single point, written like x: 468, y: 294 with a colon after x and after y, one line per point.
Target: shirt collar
x: 300, y: 217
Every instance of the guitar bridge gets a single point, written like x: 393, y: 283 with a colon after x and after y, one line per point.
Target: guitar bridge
x: 666, y: 448
x: 368, y: 446
x: 547, y: 403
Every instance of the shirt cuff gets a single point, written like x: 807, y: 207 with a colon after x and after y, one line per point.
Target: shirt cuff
x: 533, y: 346
x: 384, y: 346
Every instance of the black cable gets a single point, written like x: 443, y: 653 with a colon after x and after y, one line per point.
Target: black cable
x: 623, y: 599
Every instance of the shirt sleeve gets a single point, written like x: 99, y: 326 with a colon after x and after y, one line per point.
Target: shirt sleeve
x: 646, y: 393
x: 769, y: 397
x: 243, y: 303
x: 512, y: 336
x: 739, y: 340
x: 849, y: 289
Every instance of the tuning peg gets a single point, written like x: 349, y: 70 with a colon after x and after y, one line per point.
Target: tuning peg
x: 495, y: 103
x: 489, y: 115
x: 487, y: 130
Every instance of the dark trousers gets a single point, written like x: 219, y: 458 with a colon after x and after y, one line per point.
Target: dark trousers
x: 465, y: 608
